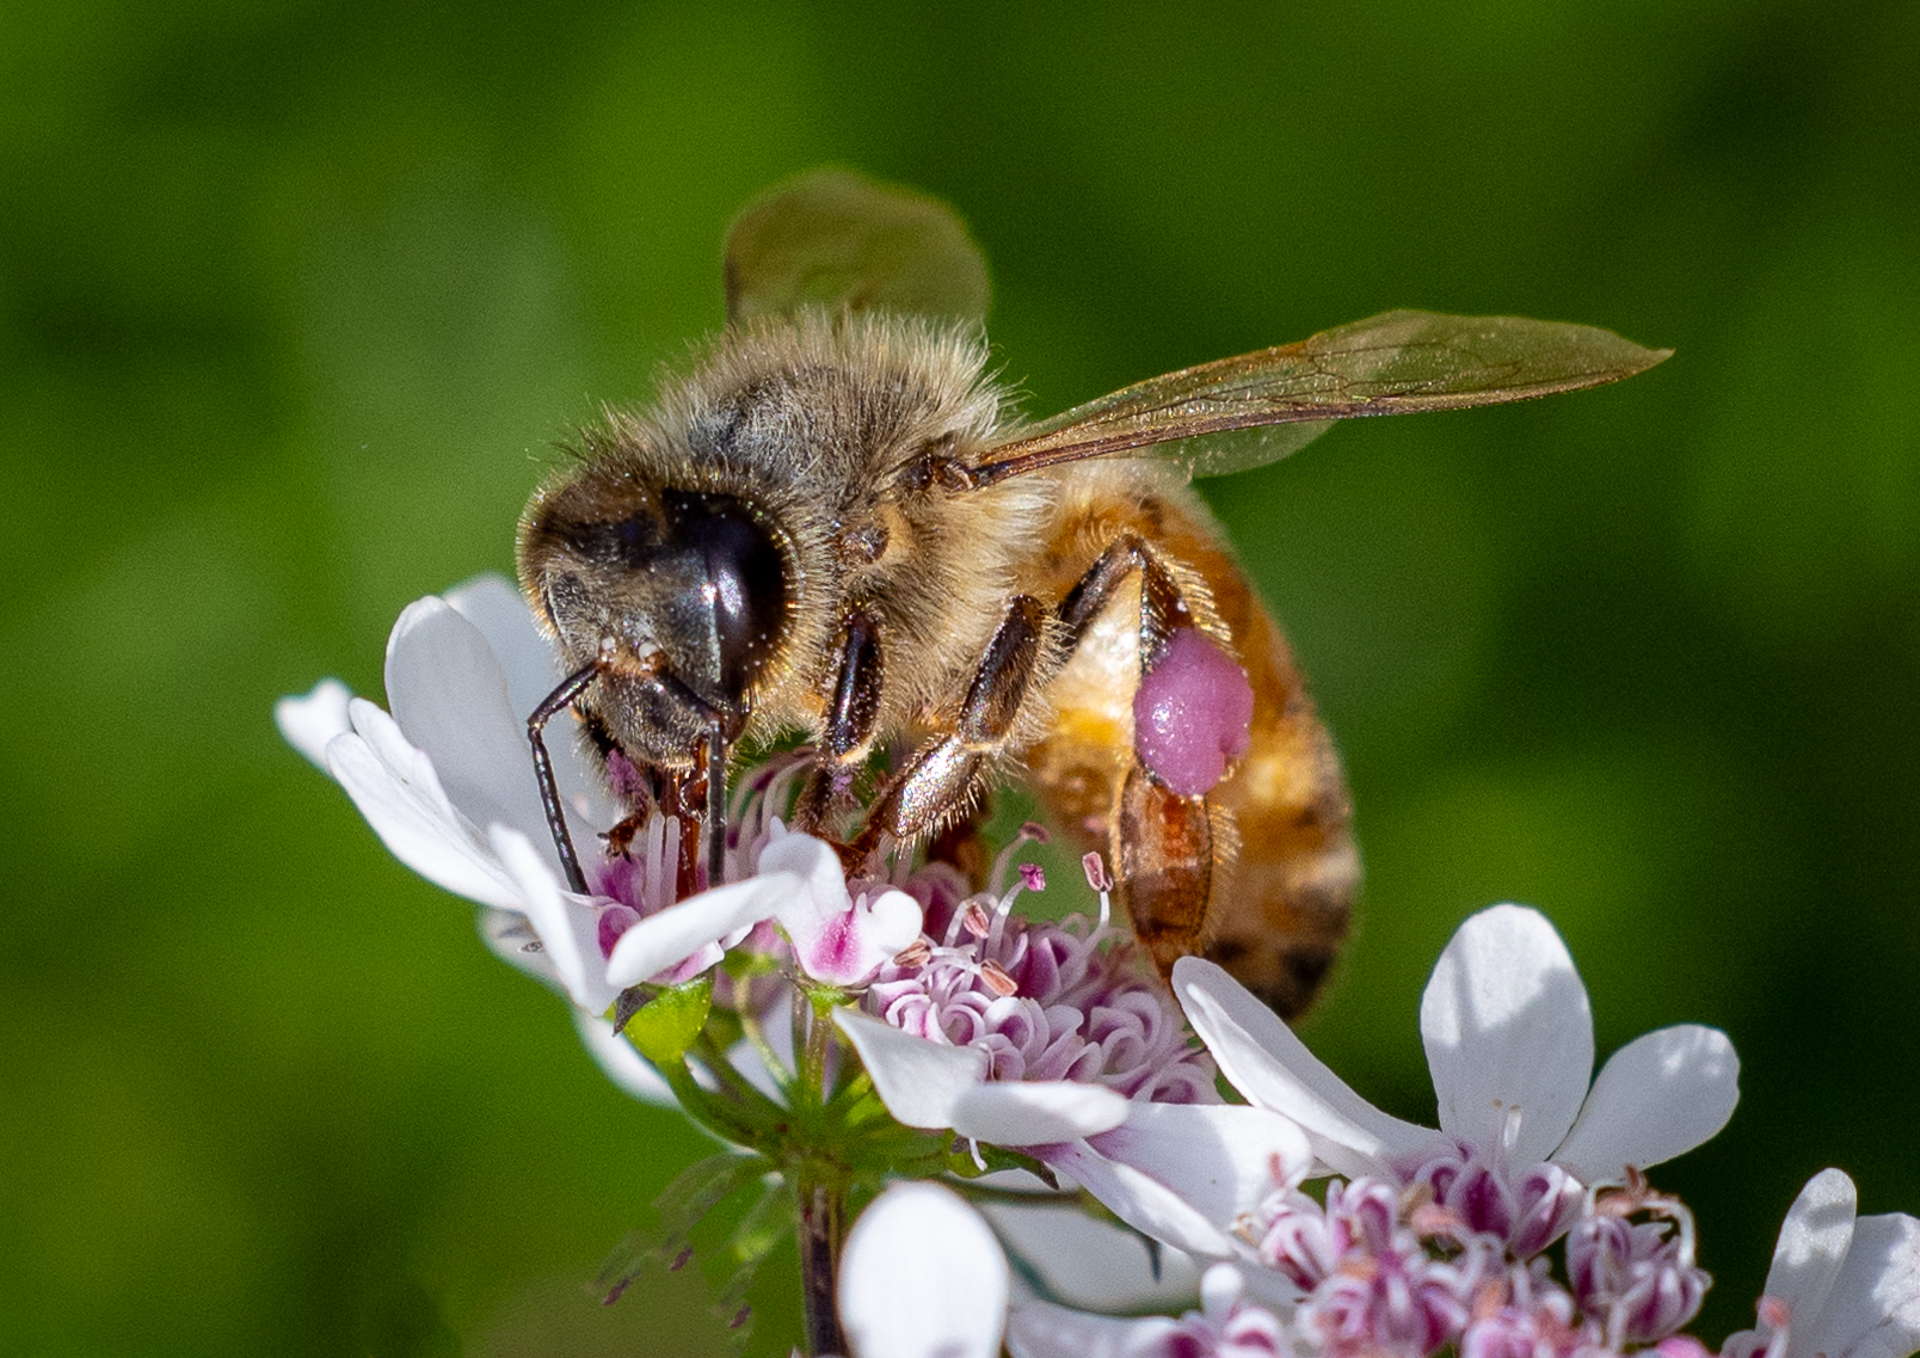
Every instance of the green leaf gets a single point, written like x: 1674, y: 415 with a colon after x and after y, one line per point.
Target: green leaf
x: 668, y: 1024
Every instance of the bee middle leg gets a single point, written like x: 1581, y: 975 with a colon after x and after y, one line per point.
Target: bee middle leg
x: 852, y: 713
x: 940, y: 779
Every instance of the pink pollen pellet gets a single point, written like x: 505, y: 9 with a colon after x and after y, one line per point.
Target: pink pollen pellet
x: 1191, y: 714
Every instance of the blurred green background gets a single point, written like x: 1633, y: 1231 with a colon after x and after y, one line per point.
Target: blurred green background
x: 294, y: 296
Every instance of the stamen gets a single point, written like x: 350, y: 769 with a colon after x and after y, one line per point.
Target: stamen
x: 997, y: 979
x: 1510, y: 1132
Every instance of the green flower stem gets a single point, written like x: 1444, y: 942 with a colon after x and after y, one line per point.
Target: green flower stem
x: 823, y: 1206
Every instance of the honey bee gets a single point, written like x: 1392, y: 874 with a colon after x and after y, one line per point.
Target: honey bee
x: 835, y: 525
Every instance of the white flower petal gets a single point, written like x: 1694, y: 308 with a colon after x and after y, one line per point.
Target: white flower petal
x: 1093, y: 1263
x: 449, y: 696
x: 673, y: 935
x: 1873, y: 1307
x: 627, y: 1068
x: 922, y: 1275
x: 1036, y: 1112
x: 1222, y: 1158
x: 1657, y: 1097
x: 569, y: 927
x: 1263, y: 1059
x: 1140, y: 1200
x: 311, y: 720
x: 816, y: 864
x: 531, y: 664
x: 1506, y: 1025
x: 1813, y: 1243
x: 528, y: 660
x: 920, y: 1082
x: 894, y: 921
x: 394, y: 787
x: 1039, y: 1329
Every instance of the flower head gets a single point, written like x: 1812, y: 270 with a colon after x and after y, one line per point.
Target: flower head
x: 1841, y: 1286
x: 447, y: 782
x: 1509, y: 1040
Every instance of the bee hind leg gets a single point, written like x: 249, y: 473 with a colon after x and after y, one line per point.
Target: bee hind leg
x: 1167, y: 832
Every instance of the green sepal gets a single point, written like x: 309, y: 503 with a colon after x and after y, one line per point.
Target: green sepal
x: 668, y: 1024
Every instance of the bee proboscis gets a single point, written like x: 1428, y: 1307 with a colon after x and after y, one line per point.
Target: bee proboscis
x: 835, y: 525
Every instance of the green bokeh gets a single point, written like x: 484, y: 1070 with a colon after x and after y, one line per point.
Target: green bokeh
x: 293, y: 297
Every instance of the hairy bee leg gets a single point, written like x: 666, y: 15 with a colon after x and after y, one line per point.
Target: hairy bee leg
x: 1161, y: 606
x: 556, y: 702
x: 1164, y: 845
x: 1163, y: 848
x: 852, y: 715
x: 941, y: 776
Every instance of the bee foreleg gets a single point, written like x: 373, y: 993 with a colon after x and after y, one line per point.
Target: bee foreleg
x: 847, y: 733
x: 941, y: 777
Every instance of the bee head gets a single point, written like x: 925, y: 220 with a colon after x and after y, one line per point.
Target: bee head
x: 680, y: 596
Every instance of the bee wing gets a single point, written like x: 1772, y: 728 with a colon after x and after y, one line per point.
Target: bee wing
x: 833, y: 238
x: 1243, y: 412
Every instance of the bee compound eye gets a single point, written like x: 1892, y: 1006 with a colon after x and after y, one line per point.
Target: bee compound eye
x: 743, y: 577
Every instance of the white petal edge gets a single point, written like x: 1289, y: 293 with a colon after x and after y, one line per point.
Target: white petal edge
x: 1039, y: 1329
x: 920, y: 1082
x: 1813, y: 1243
x: 630, y: 1072
x: 1140, y: 1200
x: 1035, y: 1112
x: 1657, y: 1097
x: 568, y: 926
x: 411, y: 815
x: 673, y: 935
x: 1221, y: 1158
x: 509, y: 936
x: 310, y: 720
x: 1092, y: 1263
x: 922, y: 1277
x: 1873, y: 1307
x: 1263, y: 1059
x: 1506, y: 1025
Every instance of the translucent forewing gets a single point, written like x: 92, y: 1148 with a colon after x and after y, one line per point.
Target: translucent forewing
x: 1242, y: 412
x: 833, y: 238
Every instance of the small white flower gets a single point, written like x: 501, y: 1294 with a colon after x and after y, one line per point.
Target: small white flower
x: 1509, y: 1040
x: 1841, y: 1286
x: 922, y: 1274
x: 837, y: 939
x: 1178, y: 1172
x: 447, y: 782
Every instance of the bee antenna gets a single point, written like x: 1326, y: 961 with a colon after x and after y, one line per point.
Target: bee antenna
x: 558, y: 701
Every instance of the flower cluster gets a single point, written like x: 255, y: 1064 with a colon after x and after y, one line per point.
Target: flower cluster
x: 872, y: 1034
